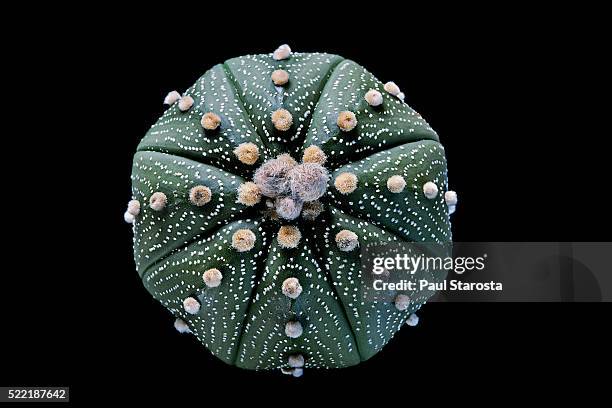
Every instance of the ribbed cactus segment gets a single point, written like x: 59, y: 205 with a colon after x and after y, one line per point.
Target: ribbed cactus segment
x: 254, y: 194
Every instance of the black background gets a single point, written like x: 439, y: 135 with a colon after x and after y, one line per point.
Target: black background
x: 525, y: 154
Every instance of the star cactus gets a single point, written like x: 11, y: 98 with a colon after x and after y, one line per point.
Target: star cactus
x: 256, y: 189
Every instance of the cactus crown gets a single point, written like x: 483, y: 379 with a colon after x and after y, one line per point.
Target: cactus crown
x: 253, y: 193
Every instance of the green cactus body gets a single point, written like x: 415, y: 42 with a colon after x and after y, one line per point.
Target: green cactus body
x: 283, y: 298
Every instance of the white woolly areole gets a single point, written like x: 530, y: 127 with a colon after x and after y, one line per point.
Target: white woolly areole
x: 401, y: 302
x: 296, y: 361
x: 314, y: 154
x: 293, y: 329
x: 172, y: 97
x: 451, y: 209
x: 247, y: 153
x: 243, y: 240
x: 210, y: 121
x: 346, y: 121
x: 289, y: 236
x: 158, y: 201
x: 401, y: 96
x: 280, y: 77
x: 413, y: 320
x: 396, y: 184
x: 249, y: 193
x: 200, y: 195
x: 450, y: 197
x: 288, y: 208
x: 185, y: 103
x: 308, y: 181
x: 297, y: 372
x: 347, y: 240
x: 271, y: 177
x: 291, y: 288
x: 181, y: 326
x: 373, y: 97
x: 212, y: 277
x: 311, y: 210
x: 129, y: 218
x: 133, y: 207
x: 392, y: 88
x: 282, y: 52
x: 191, y: 305
x: 430, y: 190
x: 282, y: 119
x: 346, y: 183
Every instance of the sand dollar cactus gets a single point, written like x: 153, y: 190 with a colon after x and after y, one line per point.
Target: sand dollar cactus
x: 254, y: 193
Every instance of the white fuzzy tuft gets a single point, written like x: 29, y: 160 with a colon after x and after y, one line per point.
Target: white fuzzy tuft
x: 296, y: 361
x: 430, y: 190
x: 413, y: 320
x: 373, y: 97
x: 293, y: 329
x: 243, y: 240
x: 401, y: 96
x: 181, y: 326
x: 451, y: 209
x: 346, y: 121
x: 308, y: 181
x: 134, y: 207
x: 129, y: 218
x: 450, y: 197
x: 288, y: 208
x: 392, y: 88
x: 401, y: 302
x: 172, y: 97
x: 297, y: 372
x: 158, y: 201
x: 347, y: 240
x: 396, y: 184
x: 291, y: 288
x: 185, y: 103
x: 191, y: 305
x: 212, y: 277
x: 282, y: 52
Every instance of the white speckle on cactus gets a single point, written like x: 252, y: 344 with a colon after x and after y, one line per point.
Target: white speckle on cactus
x: 308, y: 181
x: 282, y: 119
x: 191, y: 305
x: 249, y: 194
x: 392, y: 88
x: 128, y: 217
x: 282, y: 52
x: 172, y: 97
x: 158, y: 201
x: 134, y: 207
x: 396, y: 184
x: 430, y: 189
x: 289, y: 236
x: 212, y: 277
x: 401, y: 96
x: 346, y: 183
x: 401, y: 302
x: 297, y: 372
x: 373, y: 97
x: 347, y: 240
x: 294, y: 329
x: 185, y: 103
x: 314, y: 154
x: 412, y: 320
x: 450, y: 197
x: 296, y: 361
x: 288, y: 208
x: 200, y: 195
x: 346, y: 121
x: 181, y: 326
x: 210, y: 121
x: 247, y: 153
x: 291, y: 288
x: 243, y: 240
x: 311, y: 210
x: 280, y: 77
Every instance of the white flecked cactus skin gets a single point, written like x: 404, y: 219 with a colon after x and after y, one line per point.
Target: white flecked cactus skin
x: 243, y: 320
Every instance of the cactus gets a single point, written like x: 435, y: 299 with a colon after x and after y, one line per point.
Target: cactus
x: 253, y: 193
